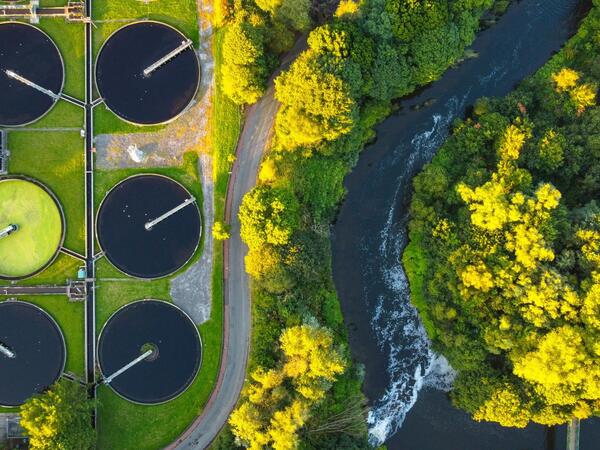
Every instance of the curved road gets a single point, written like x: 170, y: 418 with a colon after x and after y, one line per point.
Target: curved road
x: 237, y: 302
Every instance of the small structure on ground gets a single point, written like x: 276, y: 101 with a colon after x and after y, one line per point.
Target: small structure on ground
x: 4, y: 153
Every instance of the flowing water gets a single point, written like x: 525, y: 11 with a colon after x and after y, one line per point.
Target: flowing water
x: 370, y: 234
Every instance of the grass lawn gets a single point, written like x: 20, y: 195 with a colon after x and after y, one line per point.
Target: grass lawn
x: 62, y: 115
x: 39, y: 223
x: 70, y: 39
x: 226, y: 127
x: 109, y: 16
x: 227, y: 123
x: 106, y: 122
x: 57, y: 160
x: 64, y: 267
x: 69, y: 317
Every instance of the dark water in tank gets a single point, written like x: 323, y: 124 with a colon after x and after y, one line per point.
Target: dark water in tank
x: 169, y: 331
x: 405, y: 381
x: 39, y: 350
x: 152, y: 99
x: 148, y: 253
x: 30, y: 53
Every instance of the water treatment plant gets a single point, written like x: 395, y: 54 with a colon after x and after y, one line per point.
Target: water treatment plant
x: 169, y: 337
x: 147, y: 73
x: 300, y: 224
x: 31, y: 74
x: 159, y: 220
x: 82, y: 247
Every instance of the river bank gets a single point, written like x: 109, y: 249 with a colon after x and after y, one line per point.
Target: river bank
x: 369, y: 236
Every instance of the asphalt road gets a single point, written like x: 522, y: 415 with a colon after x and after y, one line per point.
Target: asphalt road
x: 237, y: 293
x: 237, y: 312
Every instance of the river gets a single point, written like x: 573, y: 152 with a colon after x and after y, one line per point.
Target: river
x: 405, y: 381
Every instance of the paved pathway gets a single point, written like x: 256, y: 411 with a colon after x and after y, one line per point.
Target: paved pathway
x: 237, y: 312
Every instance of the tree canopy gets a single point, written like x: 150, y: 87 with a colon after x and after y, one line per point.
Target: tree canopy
x: 244, y: 69
x: 505, y: 246
x: 375, y: 49
x: 279, y: 400
x: 331, y: 97
x: 59, y: 419
x: 256, y: 32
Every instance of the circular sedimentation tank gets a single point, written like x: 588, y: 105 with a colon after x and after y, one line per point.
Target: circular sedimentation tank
x: 161, y: 328
x: 29, y: 53
x: 38, y: 352
x: 136, y: 250
x: 36, y: 214
x: 147, y: 99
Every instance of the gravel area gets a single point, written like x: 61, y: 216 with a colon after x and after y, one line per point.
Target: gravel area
x: 192, y: 291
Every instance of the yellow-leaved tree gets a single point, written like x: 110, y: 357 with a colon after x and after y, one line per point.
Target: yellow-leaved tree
x: 59, y: 419
x: 279, y: 401
x: 538, y: 318
x: 583, y: 95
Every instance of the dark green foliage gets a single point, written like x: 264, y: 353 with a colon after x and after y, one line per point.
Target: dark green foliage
x: 256, y: 32
x: 386, y: 51
x: 59, y: 418
x: 333, y: 96
x: 488, y: 336
x: 244, y: 71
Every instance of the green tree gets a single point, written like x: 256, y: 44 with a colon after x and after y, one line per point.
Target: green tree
x: 504, y: 259
x: 59, y: 419
x: 279, y: 401
x: 244, y: 71
x: 293, y: 13
x: 268, y: 215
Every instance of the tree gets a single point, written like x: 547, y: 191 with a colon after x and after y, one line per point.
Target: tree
x: 583, y: 95
x: 294, y: 13
x: 391, y: 74
x: 347, y: 8
x: 59, y: 419
x: 311, y: 359
x: 504, y: 260
x: 244, y: 69
x: 272, y: 415
x: 222, y: 12
x: 268, y: 215
x: 317, y: 104
x: 434, y: 50
x: 220, y: 231
x: 566, y: 79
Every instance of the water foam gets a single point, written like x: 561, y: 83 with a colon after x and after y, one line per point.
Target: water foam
x: 411, y: 364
